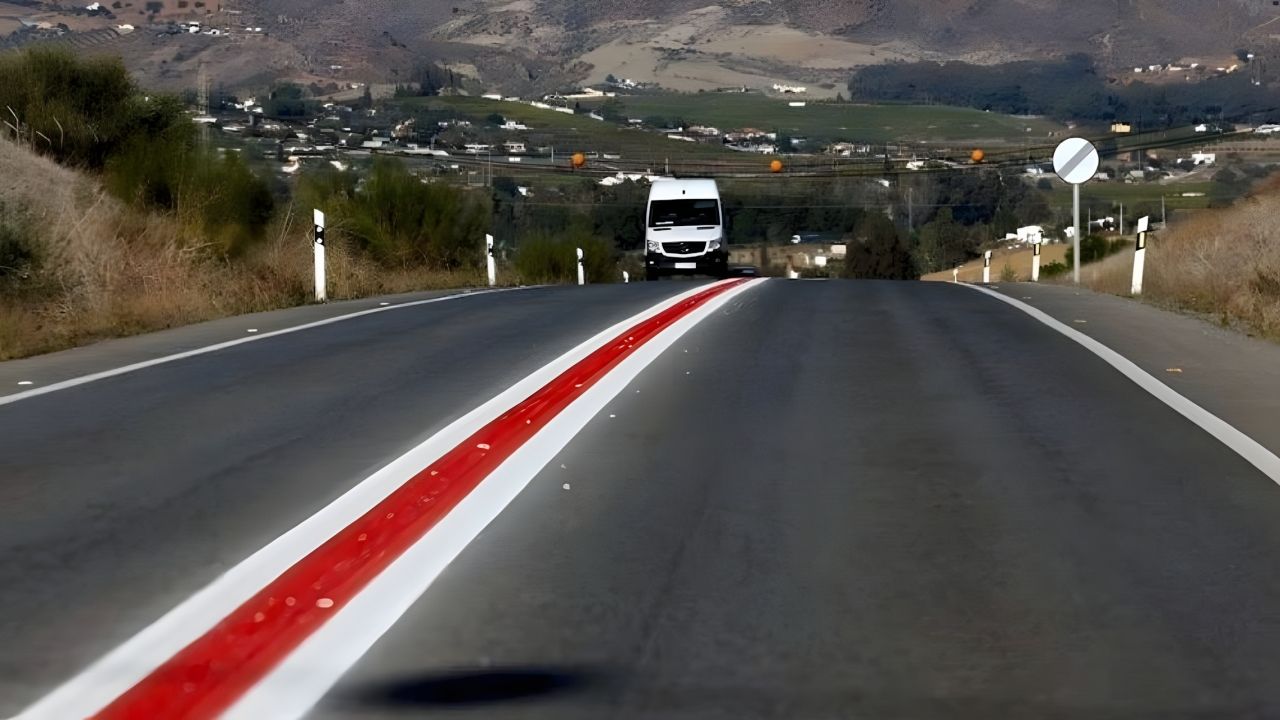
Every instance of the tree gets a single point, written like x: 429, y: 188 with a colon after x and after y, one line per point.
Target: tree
x: 878, y: 252
x: 611, y: 110
x: 943, y: 243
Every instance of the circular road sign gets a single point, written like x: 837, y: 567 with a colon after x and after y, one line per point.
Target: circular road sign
x: 1076, y: 160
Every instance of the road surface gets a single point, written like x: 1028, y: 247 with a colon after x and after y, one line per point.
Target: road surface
x: 825, y: 500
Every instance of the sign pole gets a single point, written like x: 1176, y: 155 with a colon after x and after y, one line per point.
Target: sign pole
x: 318, y: 246
x: 1075, y: 239
x: 1140, y: 255
x: 1076, y: 162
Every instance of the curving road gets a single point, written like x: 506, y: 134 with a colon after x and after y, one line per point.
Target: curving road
x: 825, y: 500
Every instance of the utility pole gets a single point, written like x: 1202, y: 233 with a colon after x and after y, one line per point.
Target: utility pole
x: 1121, y: 218
x: 911, y: 222
x: 1164, y: 216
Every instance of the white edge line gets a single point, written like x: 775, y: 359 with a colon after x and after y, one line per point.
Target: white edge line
x: 103, y: 375
x: 303, y: 678
x: 125, y: 666
x: 1244, y: 446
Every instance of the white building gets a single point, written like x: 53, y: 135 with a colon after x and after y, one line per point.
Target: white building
x: 1204, y: 158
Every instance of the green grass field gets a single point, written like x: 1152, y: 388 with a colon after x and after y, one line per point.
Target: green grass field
x: 841, y: 121
x: 1134, y: 194
x: 572, y: 133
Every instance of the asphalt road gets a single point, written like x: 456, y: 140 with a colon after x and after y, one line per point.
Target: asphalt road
x: 828, y: 500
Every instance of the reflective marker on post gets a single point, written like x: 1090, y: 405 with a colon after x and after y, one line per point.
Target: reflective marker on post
x: 582, y: 275
x: 1140, y: 255
x: 489, y: 261
x: 318, y: 245
x: 986, y: 268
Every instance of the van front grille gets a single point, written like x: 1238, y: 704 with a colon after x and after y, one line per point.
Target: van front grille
x: 684, y: 248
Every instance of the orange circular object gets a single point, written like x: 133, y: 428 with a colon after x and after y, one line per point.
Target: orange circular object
x: 977, y: 155
x: 579, y: 160
x: 775, y: 166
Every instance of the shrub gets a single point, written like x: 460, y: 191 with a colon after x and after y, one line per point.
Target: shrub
x: 78, y: 111
x: 19, y: 254
x: 401, y: 220
x: 552, y: 258
x: 1095, y: 247
x: 1054, y: 269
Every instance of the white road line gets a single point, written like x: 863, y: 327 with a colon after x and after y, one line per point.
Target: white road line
x: 1245, y: 446
x: 128, y: 664
x: 257, y: 336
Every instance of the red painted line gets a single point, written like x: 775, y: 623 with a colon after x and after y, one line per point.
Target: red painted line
x: 206, y: 677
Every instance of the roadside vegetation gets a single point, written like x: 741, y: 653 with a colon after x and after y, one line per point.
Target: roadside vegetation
x: 1220, y: 264
x: 116, y: 219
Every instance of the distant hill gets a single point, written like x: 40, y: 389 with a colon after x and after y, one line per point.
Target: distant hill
x: 523, y: 46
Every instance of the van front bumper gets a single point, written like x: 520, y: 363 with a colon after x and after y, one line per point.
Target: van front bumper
x: 711, y: 263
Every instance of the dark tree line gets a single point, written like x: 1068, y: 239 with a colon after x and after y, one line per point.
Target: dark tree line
x: 1068, y: 89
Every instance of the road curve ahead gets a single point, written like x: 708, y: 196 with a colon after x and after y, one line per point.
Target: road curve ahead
x: 823, y: 500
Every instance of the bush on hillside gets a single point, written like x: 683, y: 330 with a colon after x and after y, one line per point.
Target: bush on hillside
x: 1095, y: 247
x: 88, y: 113
x: 552, y: 258
x: 401, y: 220
x: 77, y: 111
x: 19, y: 254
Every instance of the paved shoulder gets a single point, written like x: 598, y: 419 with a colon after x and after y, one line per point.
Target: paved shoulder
x: 44, y: 370
x: 1231, y: 375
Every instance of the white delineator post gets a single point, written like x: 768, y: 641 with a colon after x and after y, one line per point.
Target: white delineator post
x: 1140, y: 255
x: 1035, y: 258
x: 626, y: 276
x: 490, y: 263
x: 955, y: 274
x: 582, y: 273
x: 986, y: 268
x: 318, y: 244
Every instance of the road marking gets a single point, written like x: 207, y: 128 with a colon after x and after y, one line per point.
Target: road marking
x: 261, y: 640
x: 94, y: 377
x: 1244, y: 446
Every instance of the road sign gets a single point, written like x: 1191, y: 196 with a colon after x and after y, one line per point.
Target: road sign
x: 1075, y: 160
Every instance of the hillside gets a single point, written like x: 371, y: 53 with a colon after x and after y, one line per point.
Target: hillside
x: 524, y: 46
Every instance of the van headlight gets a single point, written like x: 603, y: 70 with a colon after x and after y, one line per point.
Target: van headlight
x: 654, y: 246
x: 714, y: 244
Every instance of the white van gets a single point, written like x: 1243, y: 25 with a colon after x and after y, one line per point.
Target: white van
x: 684, y: 229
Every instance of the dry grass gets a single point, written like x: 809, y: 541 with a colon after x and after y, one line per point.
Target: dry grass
x: 107, y: 270
x: 1017, y: 262
x: 1222, y: 264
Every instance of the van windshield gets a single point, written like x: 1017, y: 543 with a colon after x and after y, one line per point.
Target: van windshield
x: 678, y: 213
